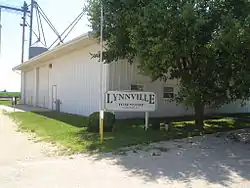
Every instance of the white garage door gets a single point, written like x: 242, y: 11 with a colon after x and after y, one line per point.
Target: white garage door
x: 29, y: 87
x: 43, y: 89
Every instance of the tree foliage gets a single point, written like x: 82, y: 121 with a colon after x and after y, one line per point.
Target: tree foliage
x: 205, y: 44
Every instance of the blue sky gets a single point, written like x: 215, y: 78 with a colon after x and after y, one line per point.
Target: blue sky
x: 60, y: 12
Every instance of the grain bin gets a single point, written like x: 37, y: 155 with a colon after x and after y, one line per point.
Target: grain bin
x: 35, y: 51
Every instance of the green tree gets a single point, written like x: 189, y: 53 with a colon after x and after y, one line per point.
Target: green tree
x: 204, y: 44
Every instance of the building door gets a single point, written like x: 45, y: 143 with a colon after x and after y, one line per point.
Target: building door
x: 54, y: 96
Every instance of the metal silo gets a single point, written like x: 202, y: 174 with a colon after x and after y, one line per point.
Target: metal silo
x: 36, y: 50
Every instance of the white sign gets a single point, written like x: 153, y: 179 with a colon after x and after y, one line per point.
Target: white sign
x: 130, y: 101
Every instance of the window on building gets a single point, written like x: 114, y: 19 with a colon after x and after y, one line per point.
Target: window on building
x: 168, y: 92
x: 137, y: 87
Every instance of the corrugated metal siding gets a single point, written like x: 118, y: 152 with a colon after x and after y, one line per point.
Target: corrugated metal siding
x: 29, y: 87
x: 122, y: 75
x: 23, y: 87
x: 43, y: 87
x: 76, y: 77
x: 234, y: 107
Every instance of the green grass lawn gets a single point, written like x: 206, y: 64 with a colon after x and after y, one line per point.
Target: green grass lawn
x: 70, y: 130
x: 10, y: 94
x: 5, y: 102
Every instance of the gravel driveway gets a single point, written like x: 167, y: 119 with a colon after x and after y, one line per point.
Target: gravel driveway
x: 211, y: 161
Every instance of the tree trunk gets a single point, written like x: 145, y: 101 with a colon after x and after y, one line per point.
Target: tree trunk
x: 199, y: 115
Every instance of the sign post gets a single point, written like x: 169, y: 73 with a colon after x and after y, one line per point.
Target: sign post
x: 146, y: 120
x: 131, y: 101
x: 101, y: 125
x: 101, y: 113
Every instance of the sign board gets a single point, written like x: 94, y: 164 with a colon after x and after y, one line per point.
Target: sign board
x: 130, y: 101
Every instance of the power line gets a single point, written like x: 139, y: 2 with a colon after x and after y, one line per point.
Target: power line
x: 13, y: 8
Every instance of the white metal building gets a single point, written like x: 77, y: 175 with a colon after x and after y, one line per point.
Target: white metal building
x: 68, y: 73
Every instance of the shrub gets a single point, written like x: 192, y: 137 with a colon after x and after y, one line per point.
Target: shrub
x: 93, y: 122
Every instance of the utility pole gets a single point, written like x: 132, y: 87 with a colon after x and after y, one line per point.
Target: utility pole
x: 25, y: 9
